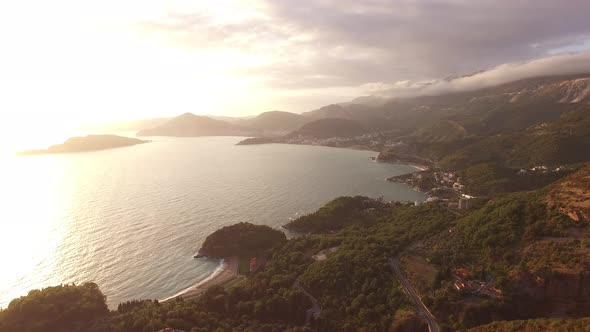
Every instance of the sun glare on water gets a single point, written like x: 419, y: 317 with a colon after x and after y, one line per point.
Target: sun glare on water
x: 30, y: 231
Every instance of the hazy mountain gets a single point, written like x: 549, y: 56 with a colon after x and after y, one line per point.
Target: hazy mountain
x: 127, y: 125
x: 188, y: 124
x: 330, y: 127
x: 266, y: 124
x: 373, y: 118
x: 509, y: 107
x: 230, y: 119
x: 275, y: 122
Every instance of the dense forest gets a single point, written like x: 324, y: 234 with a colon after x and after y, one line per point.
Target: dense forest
x: 337, y: 214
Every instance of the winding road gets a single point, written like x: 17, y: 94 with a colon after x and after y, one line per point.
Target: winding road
x: 315, y: 310
x: 430, y: 319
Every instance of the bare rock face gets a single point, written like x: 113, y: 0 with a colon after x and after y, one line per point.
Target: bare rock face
x: 571, y: 196
x: 577, y: 215
x: 562, y: 91
x: 575, y: 91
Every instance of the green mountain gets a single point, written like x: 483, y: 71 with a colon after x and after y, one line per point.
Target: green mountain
x: 441, y: 131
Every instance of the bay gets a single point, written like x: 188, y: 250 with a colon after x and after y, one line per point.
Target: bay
x: 131, y: 219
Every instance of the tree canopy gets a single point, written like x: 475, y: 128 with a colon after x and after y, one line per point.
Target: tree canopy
x: 60, y: 308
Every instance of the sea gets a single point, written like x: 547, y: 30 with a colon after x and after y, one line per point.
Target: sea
x: 131, y: 219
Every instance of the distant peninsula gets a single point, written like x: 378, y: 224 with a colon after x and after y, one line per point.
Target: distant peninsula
x: 86, y: 143
x: 256, y: 140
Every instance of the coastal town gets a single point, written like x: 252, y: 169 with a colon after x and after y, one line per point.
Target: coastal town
x: 448, y: 188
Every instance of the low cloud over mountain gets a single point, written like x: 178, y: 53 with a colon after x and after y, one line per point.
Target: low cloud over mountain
x: 565, y: 64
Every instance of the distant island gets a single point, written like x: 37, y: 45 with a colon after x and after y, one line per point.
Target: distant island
x: 86, y: 143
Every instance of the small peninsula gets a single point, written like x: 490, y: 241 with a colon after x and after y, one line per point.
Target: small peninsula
x: 241, y: 239
x: 240, y: 246
x: 86, y: 143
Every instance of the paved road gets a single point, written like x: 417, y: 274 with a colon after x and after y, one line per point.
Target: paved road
x: 432, y: 324
x: 315, y: 310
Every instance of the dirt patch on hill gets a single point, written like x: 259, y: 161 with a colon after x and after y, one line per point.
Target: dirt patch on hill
x: 571, y: 196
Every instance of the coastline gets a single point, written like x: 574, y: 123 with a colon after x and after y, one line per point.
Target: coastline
x: 418, y: 166
x: 227, y: 270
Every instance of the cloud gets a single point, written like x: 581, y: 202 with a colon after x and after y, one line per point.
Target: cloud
x: 564, y: 64
x: 356, y: 47
x: 350, y: 43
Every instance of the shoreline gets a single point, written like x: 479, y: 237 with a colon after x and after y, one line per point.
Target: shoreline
x: 227, y: 270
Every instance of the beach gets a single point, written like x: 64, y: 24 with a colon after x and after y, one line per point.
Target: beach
x: 227, y: 272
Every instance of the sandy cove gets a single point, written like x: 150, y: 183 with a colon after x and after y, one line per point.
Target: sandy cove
x: 228, y: 272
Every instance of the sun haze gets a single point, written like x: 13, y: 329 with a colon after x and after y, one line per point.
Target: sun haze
x: 72, y: 62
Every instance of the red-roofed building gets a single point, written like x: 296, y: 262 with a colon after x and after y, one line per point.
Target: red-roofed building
x: 461, y: 273
x: 254, y: 264
x: 459, y: 285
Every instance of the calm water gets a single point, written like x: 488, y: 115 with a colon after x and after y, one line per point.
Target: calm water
x: 131, y: 219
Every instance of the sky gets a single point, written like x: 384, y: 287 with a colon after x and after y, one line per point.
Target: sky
x: 70, y: 62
